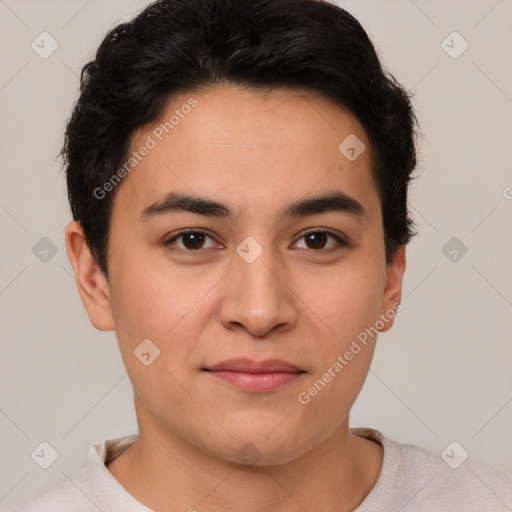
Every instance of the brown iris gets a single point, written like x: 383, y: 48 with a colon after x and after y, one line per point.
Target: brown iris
x: 193, y: 240
x: 318, y: 240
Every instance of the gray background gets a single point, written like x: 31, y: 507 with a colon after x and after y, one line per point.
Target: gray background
x: 443, y: 372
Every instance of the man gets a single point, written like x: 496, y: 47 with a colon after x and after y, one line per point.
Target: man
x: 237, y: 173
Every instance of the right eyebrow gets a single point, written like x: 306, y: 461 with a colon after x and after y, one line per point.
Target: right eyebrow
x: 173, y: 202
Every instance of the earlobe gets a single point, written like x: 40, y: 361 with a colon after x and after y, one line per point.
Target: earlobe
x: 92, y: 284
x: 392, y: 294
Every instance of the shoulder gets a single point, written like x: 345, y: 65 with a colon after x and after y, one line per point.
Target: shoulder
x: 456, y: 482
x: 414, y: 479
x: 92, y: 488
x: 69, y: 494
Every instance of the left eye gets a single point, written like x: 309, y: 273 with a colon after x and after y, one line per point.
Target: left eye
x: 317, y: 240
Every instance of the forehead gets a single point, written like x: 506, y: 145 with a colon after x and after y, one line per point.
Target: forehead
x: 250, y: 148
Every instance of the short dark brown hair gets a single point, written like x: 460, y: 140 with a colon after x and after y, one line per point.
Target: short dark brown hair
x: 176, y: 46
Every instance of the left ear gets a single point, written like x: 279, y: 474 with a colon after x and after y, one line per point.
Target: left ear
x: 392, y: 294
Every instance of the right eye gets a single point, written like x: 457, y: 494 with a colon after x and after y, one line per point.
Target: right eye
x: 190, y: 240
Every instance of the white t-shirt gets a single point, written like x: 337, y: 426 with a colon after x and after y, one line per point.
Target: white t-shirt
x: 411, y: 480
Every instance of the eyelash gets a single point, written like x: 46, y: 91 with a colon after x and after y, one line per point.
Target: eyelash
x: 341, y: 242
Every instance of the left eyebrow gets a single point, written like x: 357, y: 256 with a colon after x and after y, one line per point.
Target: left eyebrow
x: 333, y: 202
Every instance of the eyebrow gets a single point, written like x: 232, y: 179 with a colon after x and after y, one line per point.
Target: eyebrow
x: 331, y: 202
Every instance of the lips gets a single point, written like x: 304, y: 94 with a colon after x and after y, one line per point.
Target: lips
x: 256, y: 376
x: 249, y: 366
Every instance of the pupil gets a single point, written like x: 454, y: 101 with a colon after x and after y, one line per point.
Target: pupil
x: 317, y: 239
x: 193, y: 240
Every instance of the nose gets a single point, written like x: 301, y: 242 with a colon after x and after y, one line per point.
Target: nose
x: 258, y: 297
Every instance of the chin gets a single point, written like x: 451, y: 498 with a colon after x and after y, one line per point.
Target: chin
x: 266, y: 443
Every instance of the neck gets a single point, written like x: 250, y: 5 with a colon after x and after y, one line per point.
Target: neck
x: 336, y: 475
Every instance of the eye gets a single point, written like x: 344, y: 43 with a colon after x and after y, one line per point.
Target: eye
x: 191, y: 240
x: 317, y: 240
x: 195, y: 240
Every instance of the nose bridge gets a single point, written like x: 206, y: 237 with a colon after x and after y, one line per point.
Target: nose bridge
x: 257, y: 277
x: 256, y: 297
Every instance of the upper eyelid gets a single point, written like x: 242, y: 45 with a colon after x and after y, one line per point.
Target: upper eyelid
x: 187, y: 231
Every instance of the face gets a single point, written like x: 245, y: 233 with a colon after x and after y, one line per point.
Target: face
x: 244, y: 241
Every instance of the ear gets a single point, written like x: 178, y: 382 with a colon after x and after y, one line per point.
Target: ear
x: 392, y: 294
x: 92, y: 284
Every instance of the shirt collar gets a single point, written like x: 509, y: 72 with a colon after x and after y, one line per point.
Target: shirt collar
x: 103, y: 483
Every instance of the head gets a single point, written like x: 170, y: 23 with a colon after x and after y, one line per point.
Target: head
x: 275, y: 140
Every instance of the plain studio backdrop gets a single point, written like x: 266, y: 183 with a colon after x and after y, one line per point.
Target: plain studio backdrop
x: 441, y: 375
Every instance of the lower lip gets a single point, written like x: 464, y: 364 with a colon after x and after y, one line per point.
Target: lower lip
x: 256, y: 382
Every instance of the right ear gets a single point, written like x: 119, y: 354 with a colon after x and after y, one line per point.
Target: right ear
x: 92, y: 284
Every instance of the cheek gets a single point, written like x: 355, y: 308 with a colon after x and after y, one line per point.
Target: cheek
x: 331, y: 393
x: 138, y: 300
x: 347, y: 299
x: 151, y: 304
x: 150, y: 298
x: 167, y: 304
x: 350, y: 300
x: 344, y: 356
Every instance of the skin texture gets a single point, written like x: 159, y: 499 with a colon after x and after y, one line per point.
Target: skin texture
x: 303, y: 303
